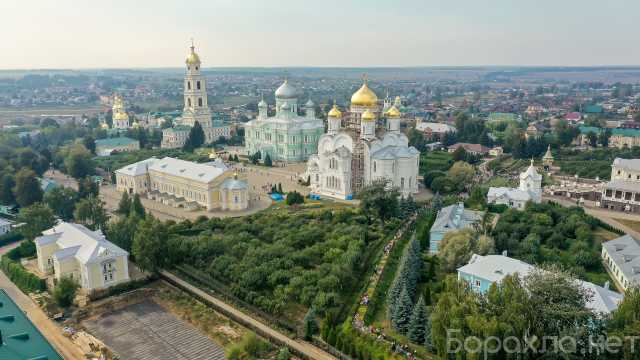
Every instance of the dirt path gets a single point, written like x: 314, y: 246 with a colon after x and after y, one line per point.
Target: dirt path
x: 301, y: 347
x: 47, y: 327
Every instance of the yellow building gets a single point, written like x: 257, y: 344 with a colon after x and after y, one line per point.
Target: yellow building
x: 72, y: 250
x: 184, y: 184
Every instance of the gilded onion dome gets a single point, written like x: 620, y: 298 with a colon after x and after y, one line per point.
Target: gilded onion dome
x: 334, y: 112
x: 364, y: 96
x: 192, y: 57
x: 393, y: 112
x: 286, y: 91
x: 368, y: 116
x: 121, y: 115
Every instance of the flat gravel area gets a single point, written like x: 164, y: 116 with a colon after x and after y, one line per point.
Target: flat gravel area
x: 146, y: 331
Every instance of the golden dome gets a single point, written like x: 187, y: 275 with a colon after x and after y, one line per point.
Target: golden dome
x: 120, y: 115
x: 136, y: 125
x: 104, y: 126
x: 393, y: 112
x: 368, y: 116
x: 364, y: 96
x: 193, y: 58
x: 334, y: 112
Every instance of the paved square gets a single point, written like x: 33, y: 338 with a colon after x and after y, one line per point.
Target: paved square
x: 146, y: 331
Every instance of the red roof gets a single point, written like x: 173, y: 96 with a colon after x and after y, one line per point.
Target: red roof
x: 573, y: 116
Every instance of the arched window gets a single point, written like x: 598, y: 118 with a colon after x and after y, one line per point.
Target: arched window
x: 374, y: 166
x: 188, y: 85
x: 198, y: 85
x: 199, y: 101
x: 189, y: 102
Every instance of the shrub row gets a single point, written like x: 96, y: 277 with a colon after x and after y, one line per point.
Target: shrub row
x: 24, y: 280
x: 377, y: 300
x: 10, y: 238
x: 355, y: 344
x: 26, y: 249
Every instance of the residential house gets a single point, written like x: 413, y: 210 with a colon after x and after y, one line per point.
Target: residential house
x: 475, y: 149
x: 105, y: 147
x: 451, y: 218
x: 483, y: 271
x: 5, y: 226
x: 72, y: 250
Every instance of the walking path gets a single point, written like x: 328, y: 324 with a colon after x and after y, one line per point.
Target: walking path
x: 47, y: 327
x: 300, y: 347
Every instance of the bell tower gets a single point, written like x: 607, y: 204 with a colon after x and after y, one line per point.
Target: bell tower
x: 196, y: 107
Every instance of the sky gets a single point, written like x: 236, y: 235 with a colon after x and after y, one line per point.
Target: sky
x: 77, y: 34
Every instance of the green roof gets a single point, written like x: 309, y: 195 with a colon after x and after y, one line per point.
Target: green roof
x: 179, y: 128
x: 117, y: 141
x: 593, y: 109
x: 21, y: 340
x: 497, y: 116
x: 614, y: 132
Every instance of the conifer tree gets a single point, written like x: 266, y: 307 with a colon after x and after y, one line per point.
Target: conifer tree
x: 136, y: 206
x: 280, y: 188
x: 267, y: 161
x: 394, y: 294
x: 124, y: 206
x: 403, y: 311
x: 417, y: 325
x: 309, y: 323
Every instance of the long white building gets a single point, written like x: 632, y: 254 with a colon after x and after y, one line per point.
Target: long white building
x: 184, y: 184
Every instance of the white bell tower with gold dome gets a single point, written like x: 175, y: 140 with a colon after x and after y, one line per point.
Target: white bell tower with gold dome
x: 196, y: 107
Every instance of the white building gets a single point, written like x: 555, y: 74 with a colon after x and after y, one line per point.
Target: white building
x: 621, y: 256
x: 5, y: 226
x: 530, y: 189
x: 622, y: 193
x: 196, y: 108
x: 350, y: 158
x: 72, y: 250
x: 286, y: 136
x: 183, y: 184
x: 119, y: 115
x: 483, y: 271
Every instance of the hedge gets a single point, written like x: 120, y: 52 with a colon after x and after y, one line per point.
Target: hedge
x: 25, y: 250
x: 10, y: 238
x: 24, y: 280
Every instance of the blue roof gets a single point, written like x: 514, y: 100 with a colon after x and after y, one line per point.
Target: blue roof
x: 47, y: 184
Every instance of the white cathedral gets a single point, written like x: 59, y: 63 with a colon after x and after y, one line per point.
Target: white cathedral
x: 530, y: 189
x: 351, y: 155
x: 195, y: 108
